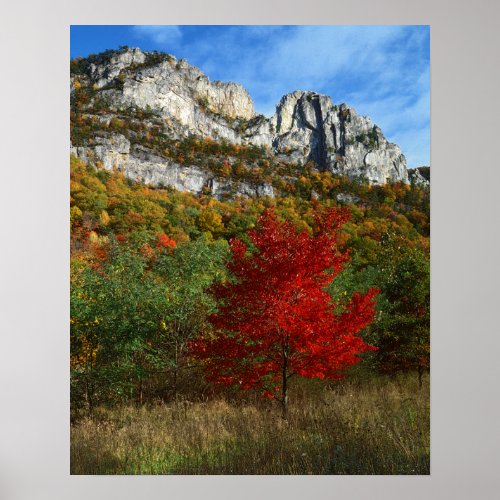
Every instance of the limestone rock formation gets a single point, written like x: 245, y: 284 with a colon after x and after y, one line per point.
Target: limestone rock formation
x: 141, y: 164
x: 416, y: 178
x: 333, y: 137
x: 306, y: 127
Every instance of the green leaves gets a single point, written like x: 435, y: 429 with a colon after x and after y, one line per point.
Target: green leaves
x: 403, y: 327
x: 134, y: 313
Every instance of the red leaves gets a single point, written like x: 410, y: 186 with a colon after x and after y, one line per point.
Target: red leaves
x: 163, y: 241
x: 275, y: 315
x: 238, y: 248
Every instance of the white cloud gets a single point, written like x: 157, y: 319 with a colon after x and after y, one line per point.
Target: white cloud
x: 315, y: 55
x: 162, y: 35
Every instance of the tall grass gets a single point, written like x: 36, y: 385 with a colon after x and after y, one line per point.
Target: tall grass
x: 374, y: 426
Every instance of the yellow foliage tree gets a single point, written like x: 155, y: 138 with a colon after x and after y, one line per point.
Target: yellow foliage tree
x: 211, y: 222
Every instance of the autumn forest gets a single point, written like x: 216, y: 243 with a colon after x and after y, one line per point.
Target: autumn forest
x: 158, y: 275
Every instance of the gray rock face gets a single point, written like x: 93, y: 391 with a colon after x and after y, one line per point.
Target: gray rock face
x: 347, y: 198
x: 305, y: 127
x: 417, y: 179
x: 103, y: 74
x: 176, y: 91
x: 140, y: 164
x: 336, y: 138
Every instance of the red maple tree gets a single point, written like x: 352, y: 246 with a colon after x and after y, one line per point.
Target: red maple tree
x: 275, y: 319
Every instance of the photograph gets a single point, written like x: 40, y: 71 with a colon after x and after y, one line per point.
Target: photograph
x: 250, y: 249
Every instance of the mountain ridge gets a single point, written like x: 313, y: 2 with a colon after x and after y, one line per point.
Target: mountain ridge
x: 180, y: 102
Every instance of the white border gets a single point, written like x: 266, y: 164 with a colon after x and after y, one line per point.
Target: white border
x: 34, y: 260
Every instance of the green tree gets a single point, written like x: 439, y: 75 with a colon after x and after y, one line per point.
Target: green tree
x: 183, y: 303
x: 113, y: 316
x: 403, y: 328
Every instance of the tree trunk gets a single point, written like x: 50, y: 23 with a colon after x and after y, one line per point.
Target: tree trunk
x: 284, y: 394
x: 175, y: 374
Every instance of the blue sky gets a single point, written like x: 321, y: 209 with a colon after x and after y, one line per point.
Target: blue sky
x: 382, y: 71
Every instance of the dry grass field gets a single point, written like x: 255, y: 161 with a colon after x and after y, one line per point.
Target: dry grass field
x: 372, y: 426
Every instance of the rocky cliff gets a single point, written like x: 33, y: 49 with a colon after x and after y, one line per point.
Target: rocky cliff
x: 420, y: 176
x: 334, y: 137
x: 176, y: 100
